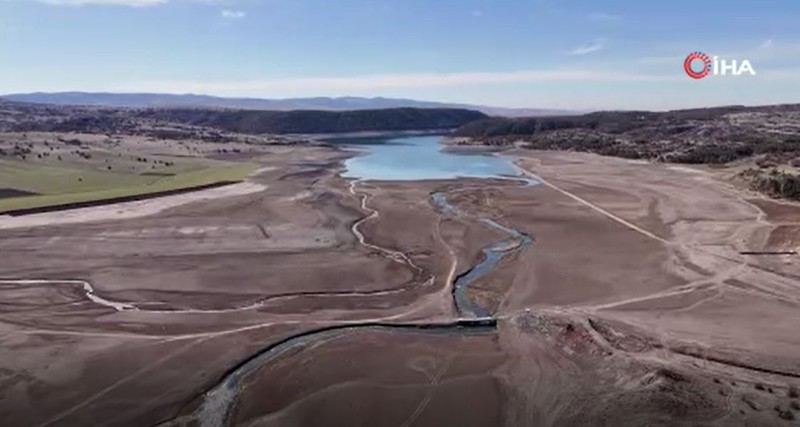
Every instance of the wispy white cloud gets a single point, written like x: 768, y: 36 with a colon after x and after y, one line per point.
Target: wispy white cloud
x: 597, y: 45
x: 767, y: 44
x: 232, y: 14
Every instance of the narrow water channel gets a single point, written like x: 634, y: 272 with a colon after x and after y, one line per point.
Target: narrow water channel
x: 219, y: 402
x: 407, y: 158
x: 491, y: 255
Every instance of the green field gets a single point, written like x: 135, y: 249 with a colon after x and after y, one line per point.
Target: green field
x: 59, y: 185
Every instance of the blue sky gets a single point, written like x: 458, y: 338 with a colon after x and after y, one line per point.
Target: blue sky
x: 584, y: 54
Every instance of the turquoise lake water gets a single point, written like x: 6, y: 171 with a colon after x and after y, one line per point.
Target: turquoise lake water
x: 411, y: 158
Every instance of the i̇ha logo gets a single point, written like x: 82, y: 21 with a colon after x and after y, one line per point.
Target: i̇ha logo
x: 698, y: 65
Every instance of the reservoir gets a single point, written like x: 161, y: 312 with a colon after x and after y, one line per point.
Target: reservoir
x: 411, y: 158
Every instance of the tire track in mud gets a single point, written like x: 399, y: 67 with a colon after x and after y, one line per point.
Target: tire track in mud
x: 742, y: 262
x: 90, y: 292
x: 434, y: 382
x: 91, y: 295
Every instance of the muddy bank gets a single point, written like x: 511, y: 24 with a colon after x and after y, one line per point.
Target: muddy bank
x: 8, y: 193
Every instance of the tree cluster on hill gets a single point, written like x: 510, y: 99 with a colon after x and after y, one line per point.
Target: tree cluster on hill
x: 315, y: 122
x: 770, y: 135
x: 612, y: 122
x: 774, y: 182
x: 208, y: 124
x: 714, y: 135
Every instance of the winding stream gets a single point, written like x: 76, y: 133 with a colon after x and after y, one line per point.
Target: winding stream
x: 219, y: 402
x: 386, y: 162
x: 491, y: 255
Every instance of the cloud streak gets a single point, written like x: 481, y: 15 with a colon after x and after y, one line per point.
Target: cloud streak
x: 232, y: 14
x: 598, y: 45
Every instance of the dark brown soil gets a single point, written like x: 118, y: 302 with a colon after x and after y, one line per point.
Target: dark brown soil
x: 393, y: 375
x: 779, y: 212
x: 7, y: 193
x: 115, y: 200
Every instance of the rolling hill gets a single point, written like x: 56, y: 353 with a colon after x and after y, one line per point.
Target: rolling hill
x: 195, y: 122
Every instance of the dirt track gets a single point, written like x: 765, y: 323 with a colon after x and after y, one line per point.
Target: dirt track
x: 633, y: 305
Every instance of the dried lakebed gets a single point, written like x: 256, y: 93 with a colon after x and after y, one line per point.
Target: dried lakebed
x: 382, y: 324
x: 218, y: 403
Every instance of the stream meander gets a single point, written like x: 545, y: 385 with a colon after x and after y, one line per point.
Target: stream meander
x: 407, y: 159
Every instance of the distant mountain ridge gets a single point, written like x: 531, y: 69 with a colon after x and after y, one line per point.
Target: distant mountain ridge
x: 162, y: 100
